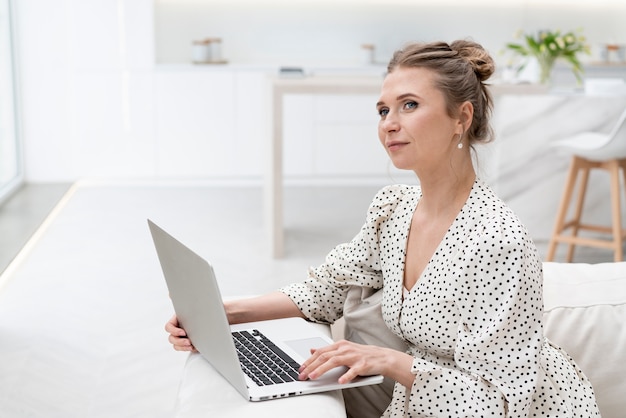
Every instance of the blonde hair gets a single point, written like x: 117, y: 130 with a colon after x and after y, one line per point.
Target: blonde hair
x: 462, y: 67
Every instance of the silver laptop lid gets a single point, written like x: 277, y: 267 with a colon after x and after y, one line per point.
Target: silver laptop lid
x: 198, y: 305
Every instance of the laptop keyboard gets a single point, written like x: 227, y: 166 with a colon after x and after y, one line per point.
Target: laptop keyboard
x: 262, y: 360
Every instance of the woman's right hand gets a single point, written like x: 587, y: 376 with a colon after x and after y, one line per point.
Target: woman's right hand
x: 178, y: 336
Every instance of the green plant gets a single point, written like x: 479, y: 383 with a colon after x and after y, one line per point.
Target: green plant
x: 546, y: 47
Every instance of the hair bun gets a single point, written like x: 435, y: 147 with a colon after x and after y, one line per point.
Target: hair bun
x: 477, y: 56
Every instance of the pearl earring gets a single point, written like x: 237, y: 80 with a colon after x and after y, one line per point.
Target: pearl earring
x: 460, y: 144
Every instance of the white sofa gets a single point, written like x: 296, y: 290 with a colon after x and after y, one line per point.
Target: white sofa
x: 585, y: 313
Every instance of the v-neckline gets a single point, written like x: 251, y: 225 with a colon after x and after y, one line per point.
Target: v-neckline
x: 406, y: 291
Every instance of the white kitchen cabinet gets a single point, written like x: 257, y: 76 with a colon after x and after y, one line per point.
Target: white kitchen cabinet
x: 298, y: 135
x: 111, y: 125
x: 251, y: 124
x: 195, y: 123
x: 346, y: 139
x: 332, y: 136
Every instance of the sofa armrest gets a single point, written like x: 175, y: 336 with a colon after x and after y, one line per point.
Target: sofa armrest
x: 585, y: 314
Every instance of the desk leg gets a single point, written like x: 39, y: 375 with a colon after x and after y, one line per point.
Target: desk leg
x: 273, y: 193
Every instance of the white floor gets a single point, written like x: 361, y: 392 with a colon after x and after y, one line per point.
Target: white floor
x: 22, y: 213
x: 82, y: 307
x: 82, y: 310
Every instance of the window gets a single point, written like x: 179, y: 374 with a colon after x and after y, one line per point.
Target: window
x: 10, y: 158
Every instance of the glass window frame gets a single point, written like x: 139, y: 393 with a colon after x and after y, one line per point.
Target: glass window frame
x: 9, y: 72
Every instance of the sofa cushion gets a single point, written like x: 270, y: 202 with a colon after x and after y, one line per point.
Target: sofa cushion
x: 585, y: 314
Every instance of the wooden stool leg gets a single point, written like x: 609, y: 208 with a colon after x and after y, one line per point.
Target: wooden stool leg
x: 582, y: 190
x: 622, y: 165
x: 563, y: 206
x: 615, y: 208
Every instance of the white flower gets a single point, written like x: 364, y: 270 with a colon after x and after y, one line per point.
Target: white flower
x: 560, y: 42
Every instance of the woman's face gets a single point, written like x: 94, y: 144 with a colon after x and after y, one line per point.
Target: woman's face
x: 414, y: 126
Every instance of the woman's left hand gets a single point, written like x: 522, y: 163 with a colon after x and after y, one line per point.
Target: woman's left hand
x: 361, y: 360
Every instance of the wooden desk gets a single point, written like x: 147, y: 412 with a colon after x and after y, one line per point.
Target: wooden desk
x: 279, y: 87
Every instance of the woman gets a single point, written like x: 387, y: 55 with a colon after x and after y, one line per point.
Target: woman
x: 461, y: 280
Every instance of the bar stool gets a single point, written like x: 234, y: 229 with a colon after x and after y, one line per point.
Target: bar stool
x: 592, y: 150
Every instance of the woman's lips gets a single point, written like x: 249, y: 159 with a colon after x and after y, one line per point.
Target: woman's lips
x: 394, y: 145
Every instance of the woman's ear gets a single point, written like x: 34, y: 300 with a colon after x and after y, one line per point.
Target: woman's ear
x: 466, y: 115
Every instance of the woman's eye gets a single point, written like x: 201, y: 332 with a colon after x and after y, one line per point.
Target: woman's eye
x: 410, y: 105
x: 383, y: 111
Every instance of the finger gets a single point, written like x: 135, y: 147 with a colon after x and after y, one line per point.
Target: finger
x: 172, y: 327
x: 348, y: 376
x: 324, y: 365
x: 308, y: 361
x: 185, y: 348
x: 323, y: 362
x: 177, y: 332
x: 171, y: 323
x: 315, y: 353
x: 179, y: 342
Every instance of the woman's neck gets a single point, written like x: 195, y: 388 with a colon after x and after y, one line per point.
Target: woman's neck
x: 444, y: 193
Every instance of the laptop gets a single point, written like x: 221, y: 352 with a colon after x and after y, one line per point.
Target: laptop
x: 199, y: 307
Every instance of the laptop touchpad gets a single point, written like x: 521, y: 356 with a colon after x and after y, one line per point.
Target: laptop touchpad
x: 303, y: 347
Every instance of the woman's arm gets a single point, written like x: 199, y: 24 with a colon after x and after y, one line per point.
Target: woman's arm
x: 273, y: 305
x: 270, y: 306
x: 322, y: 295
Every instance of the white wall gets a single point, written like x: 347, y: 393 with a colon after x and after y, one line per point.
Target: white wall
x: 85, y: 67
x: 96, y: 104
x: 310, y: 32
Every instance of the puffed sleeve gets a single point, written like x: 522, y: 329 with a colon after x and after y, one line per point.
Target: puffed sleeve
x: 321, y: 296
x: 499, y: 337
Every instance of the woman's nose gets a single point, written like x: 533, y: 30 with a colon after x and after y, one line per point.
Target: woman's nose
x: 390, y: 123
